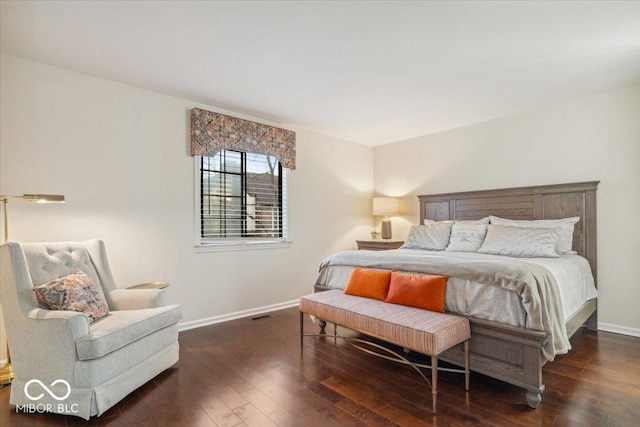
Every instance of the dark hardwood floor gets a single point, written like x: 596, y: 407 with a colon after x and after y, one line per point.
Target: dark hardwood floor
x: 252, y: 373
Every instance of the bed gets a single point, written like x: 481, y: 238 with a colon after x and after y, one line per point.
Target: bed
x: 512, y: 349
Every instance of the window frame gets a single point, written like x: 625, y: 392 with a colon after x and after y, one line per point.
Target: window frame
x: 243, y: 243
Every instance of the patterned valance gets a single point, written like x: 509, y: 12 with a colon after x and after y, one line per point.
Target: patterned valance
x: 212, y: 132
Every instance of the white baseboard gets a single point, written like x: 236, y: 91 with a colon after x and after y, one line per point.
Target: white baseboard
x: 185, y: 326
x: 624, y: 330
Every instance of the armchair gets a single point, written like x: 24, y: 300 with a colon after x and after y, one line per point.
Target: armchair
x: 99, y: 363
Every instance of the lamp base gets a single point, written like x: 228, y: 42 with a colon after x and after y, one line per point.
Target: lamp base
x: 386, y: 229
x: 6, y: 374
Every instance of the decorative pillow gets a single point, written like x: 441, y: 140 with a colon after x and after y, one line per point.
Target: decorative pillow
x: 419, y: 291
x: 484, y: 220
x: 563, y: 227
x: 74, y: 292
x: 431, y: 221
x: 368, y: 283
x: 433, y: 236
x: 520, y: 242
x: 466, y: 237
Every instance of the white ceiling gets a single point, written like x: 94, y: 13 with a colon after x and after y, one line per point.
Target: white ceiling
x: 368, y: 72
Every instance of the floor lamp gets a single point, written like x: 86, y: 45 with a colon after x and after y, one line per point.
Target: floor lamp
x: 6, y: 373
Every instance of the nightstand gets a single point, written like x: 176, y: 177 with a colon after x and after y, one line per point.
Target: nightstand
x: 378, y: 245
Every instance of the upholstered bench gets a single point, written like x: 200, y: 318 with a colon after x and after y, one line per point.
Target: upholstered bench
x: 424, y: 331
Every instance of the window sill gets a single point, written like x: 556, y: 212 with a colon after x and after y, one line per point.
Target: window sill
x: 241, y: 246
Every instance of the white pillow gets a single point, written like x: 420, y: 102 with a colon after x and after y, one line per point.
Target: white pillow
x: 466, y: 237
x: 563, y: 227
x: 484, y: 220
x: 433, y: 236
x: 428, y: 221
x: 520, y: 242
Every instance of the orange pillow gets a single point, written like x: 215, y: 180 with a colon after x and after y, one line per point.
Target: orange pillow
x: 368, y: 283
x: 417, y: 291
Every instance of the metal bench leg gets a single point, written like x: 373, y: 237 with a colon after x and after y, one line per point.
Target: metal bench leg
x: 301, y: 329
x: 434, y: 380
x: 466, y: 365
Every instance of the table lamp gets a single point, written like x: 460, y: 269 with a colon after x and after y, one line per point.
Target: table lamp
x: 386, y: 206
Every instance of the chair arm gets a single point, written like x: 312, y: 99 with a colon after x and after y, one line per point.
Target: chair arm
x: 150, y: 285
x: 44, y: 346
x: 136, y: 299
x: 58, y: 323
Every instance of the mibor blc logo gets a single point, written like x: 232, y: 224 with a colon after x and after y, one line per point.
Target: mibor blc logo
x: 35, y: 386
x: 47, y: 389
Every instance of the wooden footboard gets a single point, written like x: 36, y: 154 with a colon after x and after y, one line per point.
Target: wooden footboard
x: 507, y: 353
x: 512, y: 354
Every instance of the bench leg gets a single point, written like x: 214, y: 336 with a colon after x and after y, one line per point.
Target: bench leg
x: 466, y: 365
x: 301, y: 329
x: 434, y: 380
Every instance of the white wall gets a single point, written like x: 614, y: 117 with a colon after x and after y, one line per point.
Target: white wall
x: 596, y: 138
x: 120, y: 156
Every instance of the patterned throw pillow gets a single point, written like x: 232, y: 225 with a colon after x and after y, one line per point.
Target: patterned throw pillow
x: 74, y: 292
x: 432, y: 237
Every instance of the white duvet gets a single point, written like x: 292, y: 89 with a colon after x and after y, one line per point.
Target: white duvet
x: 572, y: 273
x: 575, y: 284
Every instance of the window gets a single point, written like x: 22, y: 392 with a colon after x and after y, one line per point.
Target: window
x: 242, y: 198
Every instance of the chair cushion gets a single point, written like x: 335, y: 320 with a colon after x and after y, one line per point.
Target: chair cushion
x: 123, y: 327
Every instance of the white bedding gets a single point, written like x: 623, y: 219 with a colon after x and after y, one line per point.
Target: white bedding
x: 572, y: 273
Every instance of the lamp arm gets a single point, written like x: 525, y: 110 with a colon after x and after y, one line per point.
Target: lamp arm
x: 38, y: 198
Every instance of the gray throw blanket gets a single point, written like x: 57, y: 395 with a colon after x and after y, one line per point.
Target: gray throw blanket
x: 535, y: 285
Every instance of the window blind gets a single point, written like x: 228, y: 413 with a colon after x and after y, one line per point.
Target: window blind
x: 242, y: 196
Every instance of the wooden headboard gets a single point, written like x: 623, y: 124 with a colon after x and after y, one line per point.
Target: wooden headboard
x: 540, y: 202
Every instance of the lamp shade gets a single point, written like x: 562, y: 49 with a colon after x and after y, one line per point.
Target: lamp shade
x: 386, y: 206
x: 44, y: 198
